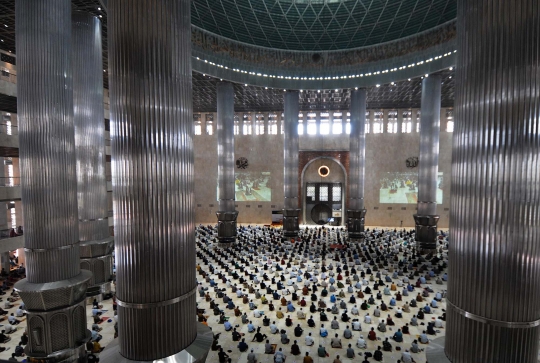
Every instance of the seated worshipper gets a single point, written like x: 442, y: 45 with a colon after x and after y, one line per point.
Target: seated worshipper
x: 236, y: 335
x: 389, y: 321
x: 382, y: 326
x: 423, y: 338
x: 295, y: 349
x: 266, y: 321
x: 387, y: 347
x: 361, y: 343
x: 251, y: 358
x: 268, y: 348
x: 354, y: 310
x: 323, y: 332
x: 367, y: 319
x: 245, y: 319
x: 344, y: 317
x: 323, y: 316
x: 309, y: 340
x: 284, y: 338
x: 406, y: 357
x: 311, y: 322
x: 259, y: 337
x: 290, y: 307
x: 242, y: 346
x: 300, y: 314
x: 298, y: 331
x: 347, y: 333
x: 398, y: 336
x: 20, y: 312
x: 372, y: 335
x: 336, y: 342
x: 321, y: 351
x: 431, y: 328
x: 227, y: 326
x: 288, y: 321
x: 12, y: 320
x: 334, y: 324
x: 223, y: 357
x: 405, y: 329
x: 230, y: 304
x: 252, y: 305
x: 273, y: 328
x: 257, y: 313
x: 377, y: 355
x: 427, y: 309
x: 279, y: 357
x: 9, y: 328
x: 279, y: 314
x: 356, y: 326
x: 335, y: 309
x: 414, y: 321
x: 322, y: 304
x: 415, y: 348
x: 3, y: 337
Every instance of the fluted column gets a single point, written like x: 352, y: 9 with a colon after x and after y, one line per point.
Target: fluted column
x: 290, y: 162
x: 356, y: 213
x: 227, y: 214
x: 152, y: 175
x: 96, y: 243
x: 55, y: 287
x: 426, y: 217
x: 494, y: 274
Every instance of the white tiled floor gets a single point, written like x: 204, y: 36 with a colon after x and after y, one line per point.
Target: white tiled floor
x: 226, y: 338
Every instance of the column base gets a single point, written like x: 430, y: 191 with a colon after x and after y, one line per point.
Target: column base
x: 435, y: 351
x: 98, y: 292
x: 355, y: 223
x: 77, y: 354
x: 426, y: 232
x: 290, y: 222
x: 196, y: 352
x: 226, y: 228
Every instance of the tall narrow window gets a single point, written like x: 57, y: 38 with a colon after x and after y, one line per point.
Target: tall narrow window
x: 418, y: 115
x: 247, y: 124
x: 449, y: 120
x: 197, y: 124
x: 348, y: 124
x: 392, y: 122
x: 237, y: 124
x: 311, y: 123
x: 337, y: 125
x: 406, y: 124
x: 378, y: 127
x: 209, y: 124
x: 300, y: 123
x: 325, y: 123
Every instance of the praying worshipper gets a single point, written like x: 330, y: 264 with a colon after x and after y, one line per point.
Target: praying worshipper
x: 323, y: 332
x: 251, y: 327
x: 268, y: 348
x: 334, y: 324
x: 347, y: 333
x: 259, y: 337
x: 307, y: 358
x: 415, y: 348
x: 298, y: 331
x: 387, y: 347
x: 20, y: 312
x: 284, y: 338
x: 356, y: 326
x: 12, y: 320
x: 336, y: 342
x: 321, y: 351
x: 361, y: 343
x: 309, y: 340
x: 279, y: 357
x: 242, y: 346
x: 406, y: 357
x: 311, y: 322
x: 382, y: 326
x: 223, y: 357
x: 227, y: 326
x: 337, y: 360
x: 251, y: 358
x: 372, y: 335
x: 423, y: 338
x: 295, y: 349
x: 9, y: 328
x: 288, y: 321
x: 378, y: 355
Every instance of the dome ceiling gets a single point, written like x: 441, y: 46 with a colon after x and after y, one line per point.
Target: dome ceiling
x: 318, y: 25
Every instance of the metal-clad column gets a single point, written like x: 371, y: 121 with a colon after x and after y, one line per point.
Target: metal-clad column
x: 55, y: 287
x: 96, y: 243
x: 356, y: 213
x: 152, y: 176
x: 290, y: 162
x: 227, y: 214
x: 494, y: 275
x: 426, y: 217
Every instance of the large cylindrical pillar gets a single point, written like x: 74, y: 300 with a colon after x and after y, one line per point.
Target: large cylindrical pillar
x: 96, y: 243
x: 426, y: 217
x: 290, y: 162
x: 225, y: 150
x: 55, y: 286
x: 494, y: 275
x: 356, y: 213
x: 153, y: 183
